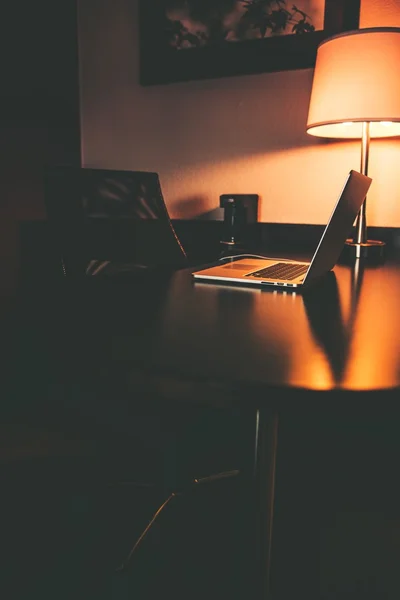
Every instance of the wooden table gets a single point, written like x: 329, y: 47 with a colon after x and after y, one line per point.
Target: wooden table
x: 172, y: 339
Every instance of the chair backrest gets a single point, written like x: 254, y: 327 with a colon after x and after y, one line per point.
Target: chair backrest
x: 110, y: 221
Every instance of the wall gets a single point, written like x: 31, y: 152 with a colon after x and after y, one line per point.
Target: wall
x: 39, y: 123
x: 232, y: 135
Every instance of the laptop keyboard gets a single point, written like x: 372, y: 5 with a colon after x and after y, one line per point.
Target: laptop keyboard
x: 282, y: 270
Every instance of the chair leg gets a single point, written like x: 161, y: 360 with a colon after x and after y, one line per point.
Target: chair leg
x: 262, y: 483
x: 193, y: 484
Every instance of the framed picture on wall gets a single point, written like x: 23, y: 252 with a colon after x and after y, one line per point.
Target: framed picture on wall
x: 183, y: 40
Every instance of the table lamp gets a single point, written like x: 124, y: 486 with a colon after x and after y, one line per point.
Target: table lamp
x: 356, y: 95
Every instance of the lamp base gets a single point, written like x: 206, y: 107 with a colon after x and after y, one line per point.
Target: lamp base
x: 371, y: 250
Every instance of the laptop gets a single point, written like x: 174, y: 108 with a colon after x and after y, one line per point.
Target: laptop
x: 287, y: 273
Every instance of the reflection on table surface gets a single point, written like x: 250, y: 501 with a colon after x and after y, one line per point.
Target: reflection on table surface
x: 339, y: 333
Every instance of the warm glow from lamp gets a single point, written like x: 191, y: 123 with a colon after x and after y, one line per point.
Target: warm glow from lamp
x: 356, y: 79
x: 356, y: 95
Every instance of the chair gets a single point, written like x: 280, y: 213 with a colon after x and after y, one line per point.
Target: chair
x: 104, y: 223
x: 110, y: 222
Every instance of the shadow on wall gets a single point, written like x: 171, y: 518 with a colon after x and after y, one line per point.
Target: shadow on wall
x: 186, y: 208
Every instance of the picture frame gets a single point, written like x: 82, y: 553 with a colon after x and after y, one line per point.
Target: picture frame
x: 161, y: 64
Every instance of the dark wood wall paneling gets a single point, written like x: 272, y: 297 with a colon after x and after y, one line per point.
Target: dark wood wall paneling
x: 39, y: 113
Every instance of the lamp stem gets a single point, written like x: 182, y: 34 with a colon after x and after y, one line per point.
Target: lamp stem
x: 360, y: 236
x: 360, y: 246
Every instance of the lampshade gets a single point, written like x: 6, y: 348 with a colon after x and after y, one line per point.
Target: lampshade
x: 356, y: 80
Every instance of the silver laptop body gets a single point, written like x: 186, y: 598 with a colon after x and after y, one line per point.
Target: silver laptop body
x: 284, y: 272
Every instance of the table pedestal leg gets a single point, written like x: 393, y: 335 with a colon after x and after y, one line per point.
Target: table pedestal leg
x: 266, y: 433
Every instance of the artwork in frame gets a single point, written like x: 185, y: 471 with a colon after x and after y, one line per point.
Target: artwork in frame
x: 183, y: 40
